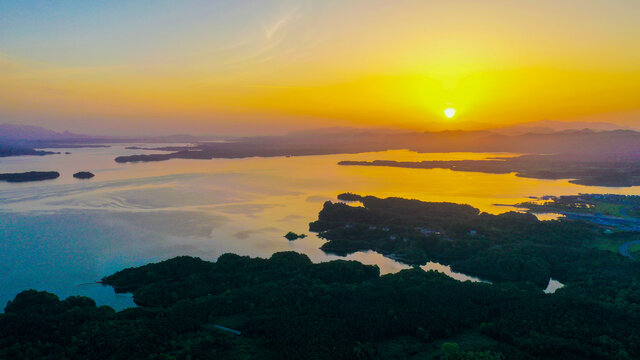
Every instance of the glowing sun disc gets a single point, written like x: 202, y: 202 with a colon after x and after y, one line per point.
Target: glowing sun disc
x: 449, y: 112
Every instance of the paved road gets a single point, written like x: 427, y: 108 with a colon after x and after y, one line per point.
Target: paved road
x: 224, y: 328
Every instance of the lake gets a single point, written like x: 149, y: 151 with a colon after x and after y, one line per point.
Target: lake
x: 62, y: 235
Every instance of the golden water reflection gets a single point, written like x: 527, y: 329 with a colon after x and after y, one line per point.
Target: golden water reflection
x: 136, y: 213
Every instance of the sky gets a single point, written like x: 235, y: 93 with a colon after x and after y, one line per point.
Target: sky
x: 263, y: 67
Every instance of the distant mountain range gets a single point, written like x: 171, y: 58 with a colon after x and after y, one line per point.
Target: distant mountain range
x: 551, y: 126
x: 563, y: 139
x: 15, y: 132
x: 30, y: 132
x: 40, y: 137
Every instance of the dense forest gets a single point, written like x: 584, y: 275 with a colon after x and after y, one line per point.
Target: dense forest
x: 500, y: 248
x: 286, y: 307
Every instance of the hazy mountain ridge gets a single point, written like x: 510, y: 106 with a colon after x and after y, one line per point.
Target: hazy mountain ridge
x: 21, y: 132
x: 347, y: 140
x: 14, y: 133
x: 585, y: 142
x: 551, y: 126
x: 31, y: 132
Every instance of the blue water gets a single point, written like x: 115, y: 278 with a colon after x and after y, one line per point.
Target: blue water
x: 63, y: 235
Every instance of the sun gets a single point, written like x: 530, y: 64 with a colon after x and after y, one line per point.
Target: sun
x: 449, y: 112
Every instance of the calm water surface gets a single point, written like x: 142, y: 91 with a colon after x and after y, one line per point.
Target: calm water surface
x: 61, y: 235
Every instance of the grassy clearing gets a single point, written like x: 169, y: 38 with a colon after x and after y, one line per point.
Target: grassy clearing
x: 608, y: 243
x: 609, y: 209
x: 634, y: 250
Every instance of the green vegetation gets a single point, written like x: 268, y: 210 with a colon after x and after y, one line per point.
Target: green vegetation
x: 603, y: 204
x: 609, y: 243
x: 289, y: 308
x: 510, y: 247
x: 634, y: 250
x: 286, y: 307
x: 609, y: 209
x: 613, y: 212
x: 37, y: 325
x: 293, y: 236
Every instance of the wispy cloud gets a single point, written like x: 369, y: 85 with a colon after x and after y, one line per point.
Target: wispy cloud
x: 278, y: 27
x: 260, y: 47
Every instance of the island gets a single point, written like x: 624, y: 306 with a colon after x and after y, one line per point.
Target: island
x: 162, y: 148
x: 612, y: 170
x: 13, y: 150
x: 64, y: 145
x: 29, y: 176
x: 183, y: 154
x: 83, y: 175
x: 293, y: 236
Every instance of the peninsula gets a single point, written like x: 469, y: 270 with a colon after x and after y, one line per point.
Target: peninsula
x: 509, y: 247
x: 582, y: 144
x: 612, y: 170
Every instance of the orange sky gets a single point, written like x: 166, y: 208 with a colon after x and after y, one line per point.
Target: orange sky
x: 271, y: 66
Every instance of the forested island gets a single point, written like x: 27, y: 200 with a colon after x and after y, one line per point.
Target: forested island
x: 29, y: 176
x: 161, y: 148
x: 293, y: 236
x: 83, y: 175
x: 613, y: 170
x: 7, y: 150
x: 286, y: 307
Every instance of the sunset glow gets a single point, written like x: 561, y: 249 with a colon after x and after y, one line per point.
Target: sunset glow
x: 320, y: 179
x: 274, y: 66
x: 449, y: 112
